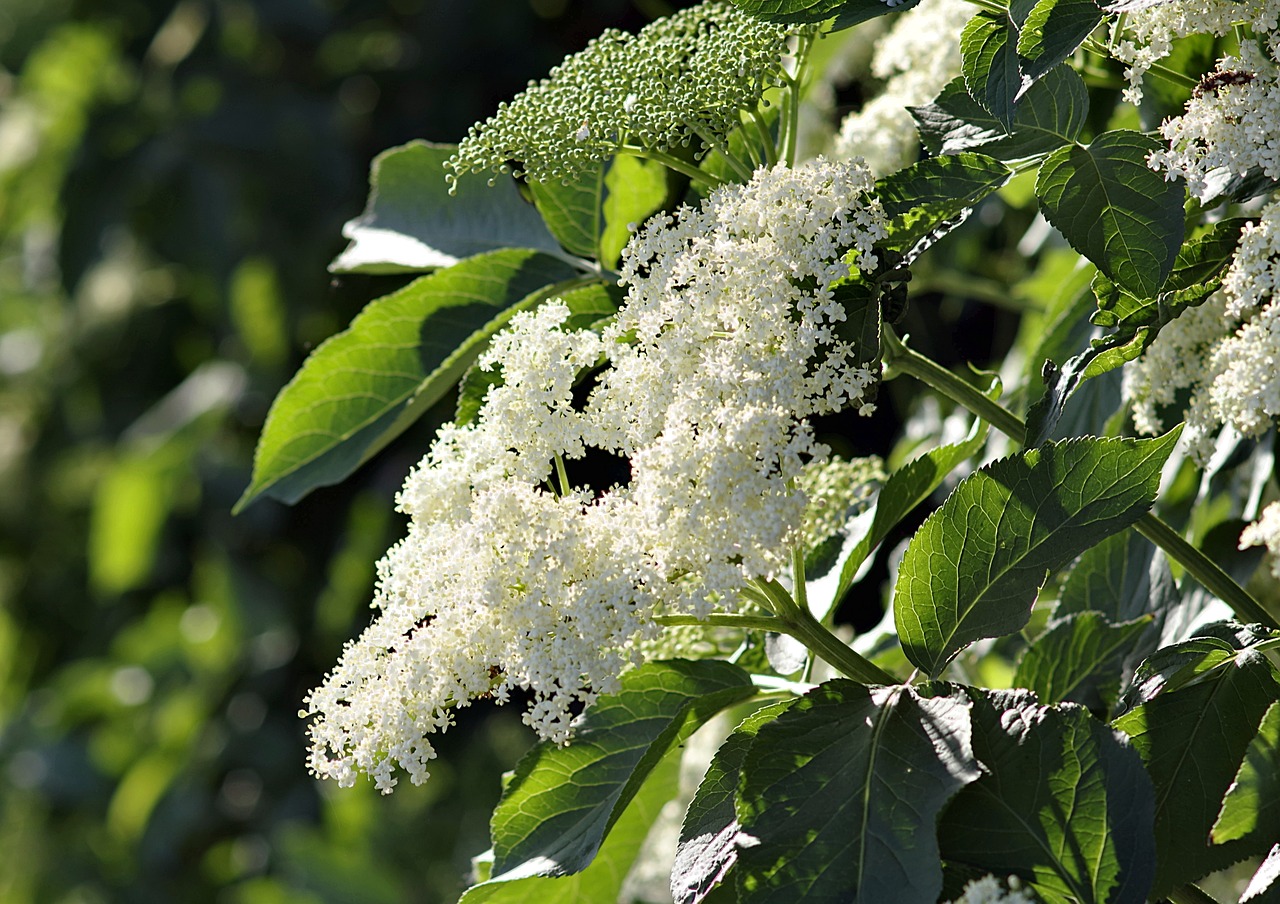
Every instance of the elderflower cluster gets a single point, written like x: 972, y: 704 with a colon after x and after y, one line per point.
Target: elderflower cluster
x: 1144, y: 37
x: 917, y: 58
x: 681, y: 78
x: 1265, y: 532
x: 510, y: 578
x: 1231, y: 367
x: 989, y: 890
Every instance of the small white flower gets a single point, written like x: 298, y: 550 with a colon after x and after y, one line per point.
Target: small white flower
x: 1265, y: 532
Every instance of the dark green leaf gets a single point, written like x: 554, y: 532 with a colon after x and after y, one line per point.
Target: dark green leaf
x: 1052, y: 32
x: 1197, y: 273
x: 1051, y: 114
x: 1062, y: 803
x: 563, y: 801
x: 840, y: 794
x: 1101, y: 357
x: 603, y: 879
x: 708, y: 845
x: 413, y: 223
x: 1114, y: 209
x: 847, y: 12
x: 1080, y: 659
x: 905, y: 489
x: 974, y: 567
x: 1252, y: 804
x: 1196, y: 659
x: 573, y: 212
x: 1192, y: 732
x: 589, y: 307
x: 924, y: 197
x: 989, y: 62
x: 361, y: 388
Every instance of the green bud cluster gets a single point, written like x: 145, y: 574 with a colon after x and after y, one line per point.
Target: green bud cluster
x: 683, y: 76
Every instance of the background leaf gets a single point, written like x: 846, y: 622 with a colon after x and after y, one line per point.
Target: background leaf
x: 848, y: 12
x: 1114, y: 209
x: 974, y: 567
x: 1052, y: 113
x: 411, y: 222
x: 563, y: 801
x: 1193, y: 739
x: 1062, y: 803
x: 1080, y: 659
x: 361, y: 388
x: 840, y: 794
x: 921, y: 198
x: 1252, y: 803
x: 708, y: 846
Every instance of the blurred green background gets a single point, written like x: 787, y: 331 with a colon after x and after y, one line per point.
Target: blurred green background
x: 173, y: 180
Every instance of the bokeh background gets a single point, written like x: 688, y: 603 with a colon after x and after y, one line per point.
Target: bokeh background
x: 173, y: 181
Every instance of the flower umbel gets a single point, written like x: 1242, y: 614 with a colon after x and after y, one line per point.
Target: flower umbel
x: 680, y: 78
x: 510, y: 579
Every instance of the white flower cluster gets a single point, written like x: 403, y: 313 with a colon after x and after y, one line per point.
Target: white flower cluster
x: 724, y: 345
x: 988, y: 890
x: 1265, y: 532
x: 683, y: 77
x: 917, y: 58
x: 1232, y: 368
x: 1144, y: 37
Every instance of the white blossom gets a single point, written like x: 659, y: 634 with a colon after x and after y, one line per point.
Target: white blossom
x: 509, y: 580
x: 917, y: 58
x: 1265, y: 532
x: 989, y: 890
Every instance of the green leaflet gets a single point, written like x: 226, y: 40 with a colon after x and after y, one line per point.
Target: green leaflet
x: 1080, y: 659
x: 927, y: 196
x: 603, y: 879
x: 847, y: 12
x: 1062, y: 803
x: 841, y: 791
x: 1052, y: 31
x: 974, y: 567
x: 1114, y: 209
x: 989, y: 62
x: 563, y: 801
x: 1203, y: 702
x: 905, y: 488
x: 1052, y: 114
x: 364, y: 386
x: 1252, y: 803
x: 708, y: 846
x: 411, y: 222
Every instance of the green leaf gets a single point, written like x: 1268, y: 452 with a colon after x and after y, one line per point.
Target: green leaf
x: 848, y: 12
x: 1252, y: 803
x: 1079, y: 659
x: 361, y: 388
x: 1102, y: 356
x: 1051, y: 114
x: 922, y: 198
x: 563, y: 801
x: 904, y: 489
x: 412, y: 223
x: 1121, y: 577
x: 840, y: 794
x: 573, y: 211
x: 589, y: 308
x: 974, y: 567
x: 1192, y: 732
x: 1114, y: 209
x: 603, y: 879
x: 708, y: 846
x: 1198, y: 658
x: 989, y: 63
x: 1052, y: 32
x: 1197, y: 273
x: 1062, y: 803
x: 635, y: 189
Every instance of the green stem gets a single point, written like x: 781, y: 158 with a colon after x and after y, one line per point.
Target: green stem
x: 673, y: 163
x: 562, y: 476
x: 766, y: 139
x: 741, y: 169
x: 724, y: 620
x: 801, y: 625
x: 899, y: 358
